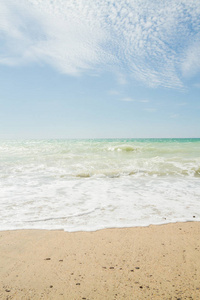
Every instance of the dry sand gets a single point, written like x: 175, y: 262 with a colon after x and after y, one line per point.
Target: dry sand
x: 155, y: 262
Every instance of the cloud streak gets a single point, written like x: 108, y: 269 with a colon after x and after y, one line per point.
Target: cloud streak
x: 154, y: 42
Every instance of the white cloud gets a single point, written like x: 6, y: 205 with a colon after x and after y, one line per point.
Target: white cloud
x: 144, y: 101
x: 191, y: 61
x: 56, y: 34
x: 128, y: 99
x: 155, y: 42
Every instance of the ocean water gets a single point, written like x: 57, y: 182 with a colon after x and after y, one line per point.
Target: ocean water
x: 86, y: 185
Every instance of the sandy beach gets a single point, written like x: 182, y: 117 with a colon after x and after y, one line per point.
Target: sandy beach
x: 155, y: 262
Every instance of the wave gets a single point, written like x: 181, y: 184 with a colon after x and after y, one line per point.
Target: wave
x: 161, y: 172
x: 89, y: 158
x: 83, y: 175
x: 197, y: 172
x: 123, y: 148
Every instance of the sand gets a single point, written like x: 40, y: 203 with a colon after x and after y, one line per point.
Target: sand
x: 155, y: 262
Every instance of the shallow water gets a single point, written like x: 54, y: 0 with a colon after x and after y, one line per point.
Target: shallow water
x: 93, y: 184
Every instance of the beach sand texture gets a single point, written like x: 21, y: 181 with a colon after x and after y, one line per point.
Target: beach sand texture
x: 155, y: 262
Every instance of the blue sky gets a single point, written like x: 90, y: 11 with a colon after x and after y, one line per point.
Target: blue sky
x: 86, y: 69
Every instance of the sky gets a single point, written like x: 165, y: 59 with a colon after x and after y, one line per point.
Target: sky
x: 99, y: 69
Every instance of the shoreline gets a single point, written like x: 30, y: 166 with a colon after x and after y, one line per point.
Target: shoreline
x: 195, y: 220
x: 148, y: 262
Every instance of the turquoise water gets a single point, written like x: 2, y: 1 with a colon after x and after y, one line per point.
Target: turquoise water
x: 92, y: 184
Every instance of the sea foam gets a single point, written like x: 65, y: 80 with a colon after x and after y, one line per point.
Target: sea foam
x: 92, y: 184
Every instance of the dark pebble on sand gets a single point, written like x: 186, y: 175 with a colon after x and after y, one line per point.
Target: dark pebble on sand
x: 7, y: 290
x: 60, y: 259
x: 51, y: 286
x: 141, y: 287
x: 111, y: 267
x: 137, y: 268
x: 78, y: 283
x: 132, y: 270
x: 48, y: 258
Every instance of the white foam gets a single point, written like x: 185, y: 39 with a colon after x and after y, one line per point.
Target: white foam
x: 40, y: 187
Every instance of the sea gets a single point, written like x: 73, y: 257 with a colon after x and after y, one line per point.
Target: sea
x: 91, y: 184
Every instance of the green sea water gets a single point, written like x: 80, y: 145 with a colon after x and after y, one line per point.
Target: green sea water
x: 98, y: 183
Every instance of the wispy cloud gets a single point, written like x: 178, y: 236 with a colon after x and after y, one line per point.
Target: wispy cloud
x: 56, y: 33
x: 128, y: 99
x: 144, y: 101
x: 154, y: 42
x: 191, y: 62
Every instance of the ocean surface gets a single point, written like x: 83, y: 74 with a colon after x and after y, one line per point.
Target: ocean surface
x: 86, y: 185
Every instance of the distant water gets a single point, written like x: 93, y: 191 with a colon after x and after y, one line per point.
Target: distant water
x: 92, y: 184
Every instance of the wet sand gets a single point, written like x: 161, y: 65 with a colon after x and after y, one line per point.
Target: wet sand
x: 155, y: 262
